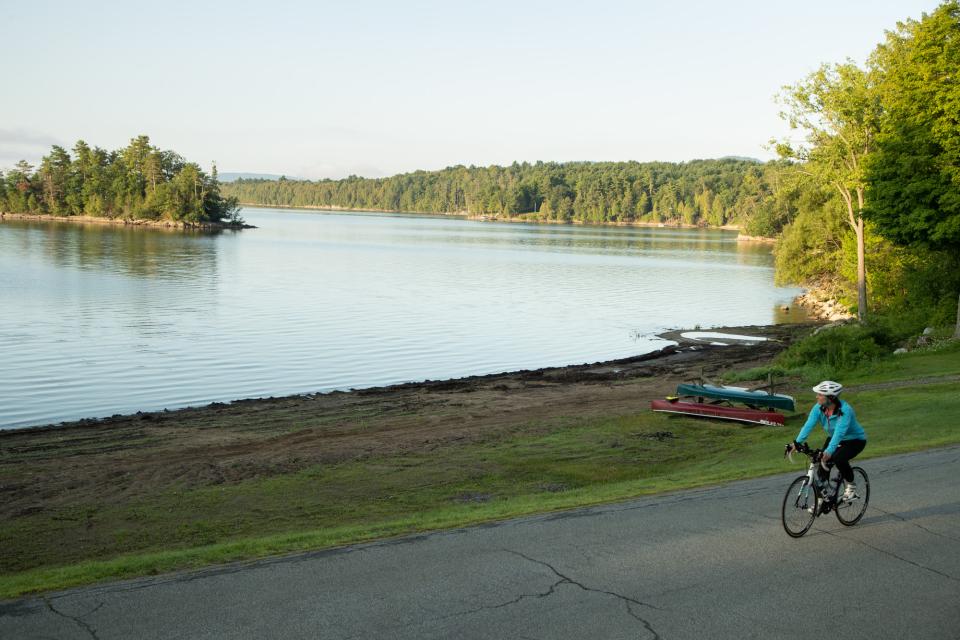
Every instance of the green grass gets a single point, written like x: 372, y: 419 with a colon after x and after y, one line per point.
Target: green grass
x: 815, y: 359
x: 538, y: 468
x: 941, y: 360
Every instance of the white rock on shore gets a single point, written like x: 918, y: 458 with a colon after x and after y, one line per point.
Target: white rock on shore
x: 823, y: 307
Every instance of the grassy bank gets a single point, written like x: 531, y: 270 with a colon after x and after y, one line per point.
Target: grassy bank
x: 535, y: 467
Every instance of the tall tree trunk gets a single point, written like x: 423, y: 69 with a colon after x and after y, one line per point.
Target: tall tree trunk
x: 861, y: 274
x: 956, y: 332
x: 861, y: 261
x: 856, y: 223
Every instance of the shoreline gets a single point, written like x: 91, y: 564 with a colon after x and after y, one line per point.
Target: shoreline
x: 309, y: 207
x: 164, y: 486
x: 684, y: 351
x: 127, y: 222
x: 498, y: 218
x: 822, y: 305
x: 760, y: 239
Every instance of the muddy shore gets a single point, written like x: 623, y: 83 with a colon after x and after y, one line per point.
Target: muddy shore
x: 124, y: 457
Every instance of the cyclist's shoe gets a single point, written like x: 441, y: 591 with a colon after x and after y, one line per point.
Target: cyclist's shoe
x: 850, y: 491
x: 822, y: 508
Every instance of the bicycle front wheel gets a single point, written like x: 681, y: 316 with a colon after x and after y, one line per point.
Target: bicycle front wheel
x: 799, y: 507
x: 850, y: 511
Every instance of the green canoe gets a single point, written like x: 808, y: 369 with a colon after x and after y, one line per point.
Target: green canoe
x: 737, y: 394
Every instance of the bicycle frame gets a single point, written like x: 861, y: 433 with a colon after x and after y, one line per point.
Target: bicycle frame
x: 813, y: 476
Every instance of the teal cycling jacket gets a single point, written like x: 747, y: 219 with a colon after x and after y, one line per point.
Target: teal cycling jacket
x: 838, y: 427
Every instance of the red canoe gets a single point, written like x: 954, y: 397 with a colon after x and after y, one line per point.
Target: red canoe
x: 704, y: 410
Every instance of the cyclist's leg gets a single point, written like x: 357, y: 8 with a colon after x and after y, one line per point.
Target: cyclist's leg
x: 825, y: 473
x: 847, y: 451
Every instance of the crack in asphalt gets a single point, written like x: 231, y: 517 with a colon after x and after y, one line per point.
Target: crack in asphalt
x: 918, y: 526
x: 77, y: 619
x: 468, y: 612
x: 891, y: 554
x: 523, y: 596
x: 567, y: 580
x: 563, y: 579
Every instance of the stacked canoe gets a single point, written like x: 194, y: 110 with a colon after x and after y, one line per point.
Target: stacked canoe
x: 723, y: 402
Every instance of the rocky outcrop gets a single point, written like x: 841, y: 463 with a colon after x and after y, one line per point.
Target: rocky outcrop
x: 822, y: 305
x: 762, y: 239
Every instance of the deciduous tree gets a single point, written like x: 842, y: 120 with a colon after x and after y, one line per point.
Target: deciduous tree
x: 838, y: 109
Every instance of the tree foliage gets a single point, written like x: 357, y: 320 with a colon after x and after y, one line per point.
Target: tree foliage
x: 139, y: 181
x: 914, y: 177
x: 701, y: 192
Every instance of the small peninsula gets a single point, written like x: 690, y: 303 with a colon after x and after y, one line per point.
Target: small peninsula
x: 139, y: 184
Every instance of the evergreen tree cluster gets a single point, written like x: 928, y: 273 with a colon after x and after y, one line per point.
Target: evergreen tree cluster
x: 701, y: 192
x: 137, y: 182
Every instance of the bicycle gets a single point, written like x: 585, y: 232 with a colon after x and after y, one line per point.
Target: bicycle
x: 810, y: 497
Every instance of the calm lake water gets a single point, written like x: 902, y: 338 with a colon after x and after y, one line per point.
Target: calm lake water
x: 102, y: 320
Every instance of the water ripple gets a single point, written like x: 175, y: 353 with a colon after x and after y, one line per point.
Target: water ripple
x: 97, y: 321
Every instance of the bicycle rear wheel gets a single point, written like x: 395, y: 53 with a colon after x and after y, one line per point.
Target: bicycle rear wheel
x: 799, y: 508
x: 849, y: 512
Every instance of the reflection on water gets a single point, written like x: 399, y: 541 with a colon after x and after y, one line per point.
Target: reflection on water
x: 97, y: 320
x: 153, y: 253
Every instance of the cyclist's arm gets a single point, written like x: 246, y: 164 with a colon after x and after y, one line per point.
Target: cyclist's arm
x: 843, y: 423
x: 809, y: 424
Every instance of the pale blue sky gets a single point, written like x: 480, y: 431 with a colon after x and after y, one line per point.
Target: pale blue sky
x: 320, y: 89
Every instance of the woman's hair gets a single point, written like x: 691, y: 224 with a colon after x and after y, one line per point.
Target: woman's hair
x: 834, y: 401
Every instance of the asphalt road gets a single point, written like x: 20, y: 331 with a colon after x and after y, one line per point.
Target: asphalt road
x: 710, y: 563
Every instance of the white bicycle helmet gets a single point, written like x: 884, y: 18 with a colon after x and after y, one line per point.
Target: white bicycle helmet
x: 829, y: 388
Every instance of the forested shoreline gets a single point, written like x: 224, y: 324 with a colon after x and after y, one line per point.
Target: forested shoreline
x: 716, y: 193
x: 139, y: 182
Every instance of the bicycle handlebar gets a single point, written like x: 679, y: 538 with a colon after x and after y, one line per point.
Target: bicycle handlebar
x: 803, y: 448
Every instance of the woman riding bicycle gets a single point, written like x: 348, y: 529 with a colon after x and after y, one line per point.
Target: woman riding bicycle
x: 845, y: 437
